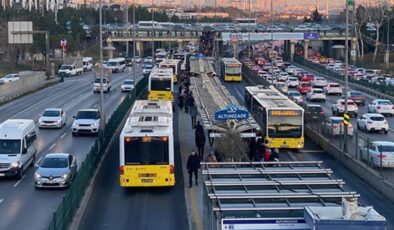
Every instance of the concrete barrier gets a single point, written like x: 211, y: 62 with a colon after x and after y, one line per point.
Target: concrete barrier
x: 29, y: 81
x: 363, y: 171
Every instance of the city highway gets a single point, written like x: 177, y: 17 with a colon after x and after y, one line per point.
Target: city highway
x: 19, y: 198
x: 136, y: 208
x: 313, y: 152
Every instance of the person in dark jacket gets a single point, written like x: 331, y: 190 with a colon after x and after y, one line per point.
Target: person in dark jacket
x: 200, y: 143
x: 198, y: 128
x: 193, y: 114
x: 193, y: 164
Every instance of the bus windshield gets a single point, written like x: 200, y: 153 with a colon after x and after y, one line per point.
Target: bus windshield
x: 233, y: 70
x: 285, y: 126
x: 146, y: 150
x: 160, y: 84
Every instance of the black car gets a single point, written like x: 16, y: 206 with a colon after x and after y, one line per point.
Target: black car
x: 312, y: 112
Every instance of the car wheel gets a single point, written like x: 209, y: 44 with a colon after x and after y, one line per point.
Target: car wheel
x: 33, y: 161
x: 74, y: 134
x: 20, y: 173
x: 386, y: 131
x: 324, y: 101
x: 365, y: 129
x: 370, y: 163
x: 358, y: 126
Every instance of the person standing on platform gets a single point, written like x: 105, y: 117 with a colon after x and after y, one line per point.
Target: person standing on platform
x: 198, y: 128
x: 193, y: 114
x: 200, y: 143
x: 212, y: 159
x: 193, y: 164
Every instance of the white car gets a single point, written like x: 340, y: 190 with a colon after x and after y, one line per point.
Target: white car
x: 290, y: 69
x: 52, y: 118
x: 378, y: 151
x: 292, y: 82
x: 339, y: 107
x: 86, y: 121
x: 282, y: 76
x: 334, y: 126
x: 295, y: 96
x: 281, y: 86
x: 373, y: 122
x: 106, y: 85
x: 316, y: 94
x: 127, y: 85
x: 319, y: 82
x: 333, y: 88
x: 381, y: 106
x: 9, y: 78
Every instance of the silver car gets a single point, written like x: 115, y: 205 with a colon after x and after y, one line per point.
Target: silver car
x: 55, y: 170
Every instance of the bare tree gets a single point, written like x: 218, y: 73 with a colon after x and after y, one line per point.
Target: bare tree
x: 360, y: 18
x: 379, y: 15
x: 231, y: 146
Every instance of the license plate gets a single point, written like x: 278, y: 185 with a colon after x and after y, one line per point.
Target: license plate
x: 51, y: 181
x: 284, y: 146
x: 2, y: 174
x: 146, y: 180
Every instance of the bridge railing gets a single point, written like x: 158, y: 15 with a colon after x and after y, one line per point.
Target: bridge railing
x: 63, y: 217
x: 382, y: 91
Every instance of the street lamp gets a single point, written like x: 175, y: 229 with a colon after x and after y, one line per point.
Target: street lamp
x: 250, y: 18
x: 127, y: 26
x: 153, y: 36
x: 169, y: 17
x: 272, y: 41
x: 134, y: 31
x: 102, y: 114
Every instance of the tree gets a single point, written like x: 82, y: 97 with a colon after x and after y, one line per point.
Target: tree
x: 231, y: 147
x: 360, y: 18
x: 316, y: 16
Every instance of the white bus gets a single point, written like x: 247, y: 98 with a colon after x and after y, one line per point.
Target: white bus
x: 160, y: 56
x: 149, y: 25
x: 184, y: 57
x: 116, y: 65
x: 147, y: 146
x: 175, y: 65
x: 246, y: 21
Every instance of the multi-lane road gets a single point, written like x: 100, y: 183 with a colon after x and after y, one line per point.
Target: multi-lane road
x: 313, y: 152
x: 21, y: 205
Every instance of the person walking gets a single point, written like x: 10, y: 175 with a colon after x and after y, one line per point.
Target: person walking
x: 198, y: 128
x: 200, y: 143
x: 193, y: 164
x: 193, y: 114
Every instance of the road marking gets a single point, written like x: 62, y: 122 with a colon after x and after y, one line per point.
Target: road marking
x: 52, y: 146
x: 63, y: 135
x: 291, y: 155
x: 1, y: 201
x: 19, y: 181
x: 312, y: 151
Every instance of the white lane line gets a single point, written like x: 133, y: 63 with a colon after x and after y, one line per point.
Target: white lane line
x: 19, y: 181
x: 1, y: 201
x: 63, y: 135
x: 52, y: 146
x: 312, y: 151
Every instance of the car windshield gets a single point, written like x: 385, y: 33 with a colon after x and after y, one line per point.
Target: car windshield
x: 318, y: 91
x: 376, y: 118
x: 294, y: 94
x: 87, y: 115
x: 349, y: 102
x: 128, y: 82
x: 51, y: 113
x: 10, y: 146
x: 314, y: 108
x: 384, y: 103
x: 65, y: 67
x: 386, y: 148
x: 356, y: 94
x: 112, y: 63
x: 97, y: 80
x: 54, y: 162
x: 305, y: 84
x: 334, y: 85
x: 336, y: 121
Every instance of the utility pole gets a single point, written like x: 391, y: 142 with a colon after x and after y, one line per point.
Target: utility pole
x: 348, y: 2
x: 127, y: 26
x: 272, y: 41
x: 153, y: 36
x: 169, y: 17
x: 102, y: 114
x: 134, y: 31
x: 250, y: 18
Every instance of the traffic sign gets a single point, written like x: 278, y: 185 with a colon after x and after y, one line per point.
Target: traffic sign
x: 352, y: 53
x: 350, y: 2
x: 63, y: 43
x: 346, y: 119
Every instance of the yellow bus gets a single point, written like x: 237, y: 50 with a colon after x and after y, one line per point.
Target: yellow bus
x: 231, y: 69
x: 161, y: 84
x: 281, y: 119
x: 175, y: 65
x: 146, y: 151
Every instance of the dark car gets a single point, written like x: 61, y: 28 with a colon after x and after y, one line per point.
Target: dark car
x: 312, y: 112
x: 358, y: 97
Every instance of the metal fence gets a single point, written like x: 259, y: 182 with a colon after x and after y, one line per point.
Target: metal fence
x: 355, y: 143
x: 384, y: 89
x: 63, y: 217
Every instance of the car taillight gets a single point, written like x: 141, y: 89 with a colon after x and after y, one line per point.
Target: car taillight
x: 385, y: 121
x: 378, y: 107
x: 322, y: 113
x: 381, y: 156
x: 172, y: 170
x: 121, y: 169
x: 369, y: 122
x: 392, y: 107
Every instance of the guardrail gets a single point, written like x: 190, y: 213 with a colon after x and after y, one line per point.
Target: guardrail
x: 381, y: 91
x: 63, y: 217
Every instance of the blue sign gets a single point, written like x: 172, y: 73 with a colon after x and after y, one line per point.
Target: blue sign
x: 200, y: 56
x: 311, y: 36
x: 231, y: 113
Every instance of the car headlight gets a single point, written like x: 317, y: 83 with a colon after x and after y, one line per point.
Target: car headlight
x: 95, y: 124
x: 65, y: 176
x: 59, y: 120
x: 37, y: 175
x: 15, y: 164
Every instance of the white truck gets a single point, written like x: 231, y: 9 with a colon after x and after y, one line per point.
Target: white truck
x: 106, y: 85
x: 72, y: 67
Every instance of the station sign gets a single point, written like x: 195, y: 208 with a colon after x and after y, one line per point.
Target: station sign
x: 231, y: 113
x: 265, y: 223
x: 278, y: 36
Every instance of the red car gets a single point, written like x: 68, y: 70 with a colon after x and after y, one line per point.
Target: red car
x: 357, y: 97
x: 307, y: 77
x: 304, y: 87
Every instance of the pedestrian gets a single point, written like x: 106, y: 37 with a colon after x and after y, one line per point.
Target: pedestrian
x: 187, y: 102
x: 198, y: 128
x: 267, y: 155
x: 212, y: 159
x: 193, y: 114
x: 252, y: 148
x: 274, y: 155
x: 180, y: 102
x: 193, y: 164
x: 200, y: 143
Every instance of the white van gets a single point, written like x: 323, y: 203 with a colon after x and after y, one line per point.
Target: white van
x: 17, y: 146
x: 87, y: 64
x: 116, y: 65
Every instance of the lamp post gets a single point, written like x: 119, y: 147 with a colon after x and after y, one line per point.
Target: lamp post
x: 127, y: 26
x: 102, y: 114
x: 250, y: 18
x: 272, y: 41
x: 169, y: 17
x: 153, y: 35
x: 134, y: 31
x: 351, y: 3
